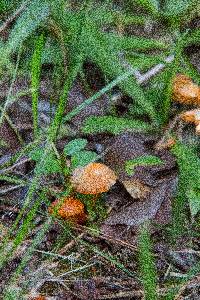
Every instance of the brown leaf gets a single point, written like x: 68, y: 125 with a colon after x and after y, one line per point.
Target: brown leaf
x: 120, y: 233
x: 138, y: 212
x: 136, y: 189
x: 163, y: 215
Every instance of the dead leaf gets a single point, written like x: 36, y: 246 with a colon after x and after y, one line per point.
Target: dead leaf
x: 138, y: 212
x: 163, y: 215
x: 120, y: 232
x: 136, y: 189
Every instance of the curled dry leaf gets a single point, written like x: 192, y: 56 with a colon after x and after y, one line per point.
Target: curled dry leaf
x: 151, y: 184
x: 166, y: 144
x: 136, y: 189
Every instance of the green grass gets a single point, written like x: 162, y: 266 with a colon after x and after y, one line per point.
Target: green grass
x: 147, y: 264
x: 35, y: 80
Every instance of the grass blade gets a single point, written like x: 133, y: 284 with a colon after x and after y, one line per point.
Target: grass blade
x: 147, y: 266
x: 35, y: 80
x: 27, y: 23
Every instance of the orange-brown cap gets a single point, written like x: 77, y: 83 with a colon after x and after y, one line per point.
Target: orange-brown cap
x: 185, y: 91
x: 198, y: 128
x: 95, y: 178
x: 69, y: 208
x: 189, y: 116
x: 197, y: 116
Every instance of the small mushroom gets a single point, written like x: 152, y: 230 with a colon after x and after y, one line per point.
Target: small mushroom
x: 198, y: 129
x: 192, y: 116
x: 189, y: 116
x: 69, y: 208
x: 185, y: 91
x: 95, y: 178
x: 197, y: 121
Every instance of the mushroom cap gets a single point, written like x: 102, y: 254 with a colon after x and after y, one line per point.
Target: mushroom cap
x: 189, y: 116
x: 69, y: 208
x: 95, y: 178
x: 185, y: 91
x: 197, y: 116
x: 198, y: 128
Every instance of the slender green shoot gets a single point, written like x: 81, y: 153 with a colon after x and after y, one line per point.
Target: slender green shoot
x: 147, y: 264
x: 72, y: 73
x: 35, y: 80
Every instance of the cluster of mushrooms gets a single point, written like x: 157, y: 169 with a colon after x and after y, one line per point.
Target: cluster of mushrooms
x: 185, y: 91
x: 93, y: 179
x: 97, y: 178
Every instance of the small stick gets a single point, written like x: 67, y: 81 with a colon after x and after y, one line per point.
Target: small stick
x: 160, y: 144
x: 21, y: 162
x: 141, y: 78
x: 10, y: 189
x: 70, y: 244
x: 107, y: 237
x: 152, y: 72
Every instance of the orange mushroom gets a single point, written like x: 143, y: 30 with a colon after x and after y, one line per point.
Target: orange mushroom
x: 185, y: 91
x: 198, y: 128
x: 95, y: 178
x: 69, y: 208
x: 189, y: 116
x: 197, y: 121
x: 192, y: 116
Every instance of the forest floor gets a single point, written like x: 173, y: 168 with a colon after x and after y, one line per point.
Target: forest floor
x: 139, y: 238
